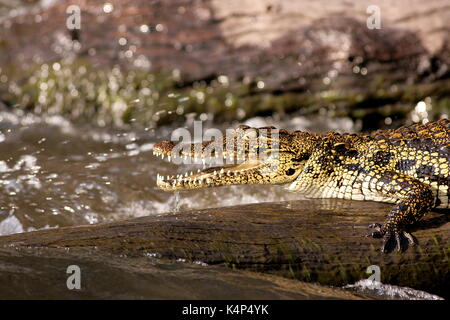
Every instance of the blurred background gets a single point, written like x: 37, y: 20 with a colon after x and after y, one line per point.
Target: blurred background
x: 87, y: 87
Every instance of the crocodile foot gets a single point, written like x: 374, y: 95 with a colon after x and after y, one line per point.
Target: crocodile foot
x: 392, y: 239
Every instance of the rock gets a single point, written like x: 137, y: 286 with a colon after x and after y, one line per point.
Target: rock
x: 274, y: 56
x: 313, y: 240
x: 42, y: 274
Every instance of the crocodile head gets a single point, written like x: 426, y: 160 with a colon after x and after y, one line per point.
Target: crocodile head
x: 249, y: 156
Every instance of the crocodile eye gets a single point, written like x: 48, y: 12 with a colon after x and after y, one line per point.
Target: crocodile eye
x: 290, y: 172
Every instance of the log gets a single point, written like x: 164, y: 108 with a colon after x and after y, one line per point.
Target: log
x: 316, y: 240
x: 42, y: 274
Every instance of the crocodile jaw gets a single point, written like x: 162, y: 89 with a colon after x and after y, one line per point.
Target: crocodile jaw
x: 212, y: 177
x: 252, y: 171
x: 277, y: 157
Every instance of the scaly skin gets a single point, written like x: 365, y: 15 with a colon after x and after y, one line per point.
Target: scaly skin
x: 408, y: 166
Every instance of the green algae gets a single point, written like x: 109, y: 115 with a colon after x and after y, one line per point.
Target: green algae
x: 113, y: 96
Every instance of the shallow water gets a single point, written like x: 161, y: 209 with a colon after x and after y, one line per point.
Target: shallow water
x: 389, y: 292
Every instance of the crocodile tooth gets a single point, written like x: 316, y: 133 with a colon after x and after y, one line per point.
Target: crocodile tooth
x: 215, y: 172
x: 169, y: 158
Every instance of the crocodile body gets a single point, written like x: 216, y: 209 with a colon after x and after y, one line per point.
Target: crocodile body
x: 408, y: 166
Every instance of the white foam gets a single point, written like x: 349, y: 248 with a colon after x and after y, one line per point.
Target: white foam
x: 10, y: 225
x: 388, y: 291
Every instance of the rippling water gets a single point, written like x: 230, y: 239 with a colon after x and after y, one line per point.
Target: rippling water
x: 54, y: 173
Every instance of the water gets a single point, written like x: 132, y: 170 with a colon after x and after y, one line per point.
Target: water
x: 54, y: 173
x: 389, y: 292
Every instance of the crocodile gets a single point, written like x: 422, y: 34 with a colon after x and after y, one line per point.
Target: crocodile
x: 408, y: 167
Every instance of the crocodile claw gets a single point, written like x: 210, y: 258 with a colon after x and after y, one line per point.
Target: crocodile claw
x: 378, y: 230
x: 391, y: 239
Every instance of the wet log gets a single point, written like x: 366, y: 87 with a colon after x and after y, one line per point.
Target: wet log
x: 317, y: 240
x: 42, y: 274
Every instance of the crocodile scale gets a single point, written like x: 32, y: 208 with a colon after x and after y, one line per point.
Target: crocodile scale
x: 408, y: 167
